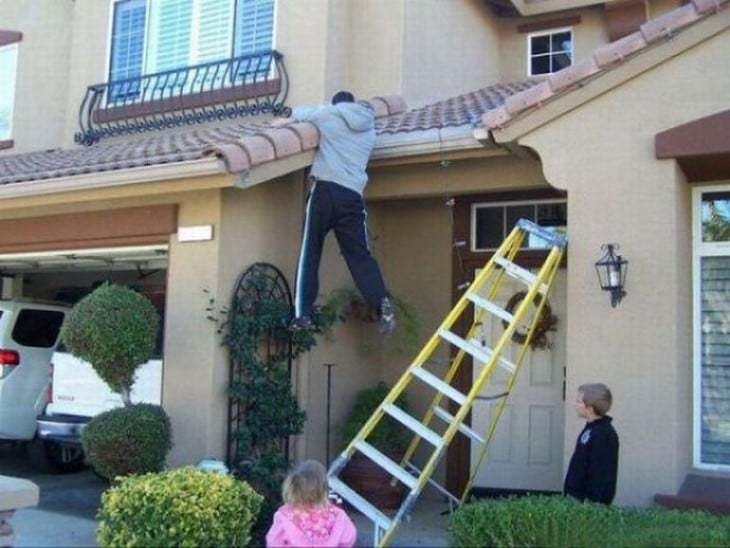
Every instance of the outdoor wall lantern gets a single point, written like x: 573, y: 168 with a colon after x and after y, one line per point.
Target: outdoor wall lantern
x: 611, y: 269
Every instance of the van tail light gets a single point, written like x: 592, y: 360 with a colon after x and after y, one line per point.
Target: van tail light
x: 9, y: 360
x: 49, y: 386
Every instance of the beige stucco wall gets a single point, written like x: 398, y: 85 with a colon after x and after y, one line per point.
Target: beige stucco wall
x: 603, y: 154
x: 42, y: 68
x: 387, y: 46
x: 449, y: 48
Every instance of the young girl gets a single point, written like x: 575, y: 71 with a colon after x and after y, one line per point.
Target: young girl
x: 307, y: 517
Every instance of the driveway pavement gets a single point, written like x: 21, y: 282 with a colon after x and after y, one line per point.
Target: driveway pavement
x: 65, y: 515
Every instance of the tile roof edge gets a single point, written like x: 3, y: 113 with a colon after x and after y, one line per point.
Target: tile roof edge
x: 272, y: 143
x: 599, y: 62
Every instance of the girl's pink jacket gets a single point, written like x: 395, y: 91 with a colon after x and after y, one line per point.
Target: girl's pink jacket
x: 327, y: 526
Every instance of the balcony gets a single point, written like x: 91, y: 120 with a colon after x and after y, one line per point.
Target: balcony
x: 231, y: 88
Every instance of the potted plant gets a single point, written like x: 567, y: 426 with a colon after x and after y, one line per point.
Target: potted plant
x: 389, y: 437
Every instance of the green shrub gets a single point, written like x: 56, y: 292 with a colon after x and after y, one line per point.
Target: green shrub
x: 114, y: 329
x: 182, y: 507
x: 128, y: 440
x: 558, y: 521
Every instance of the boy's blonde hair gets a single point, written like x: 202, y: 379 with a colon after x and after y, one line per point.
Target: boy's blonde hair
x: 306, y: 485
x: 598, y: 396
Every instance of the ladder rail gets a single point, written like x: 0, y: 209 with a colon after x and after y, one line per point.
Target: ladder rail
x: 509, y: 248
x: 477, y: 386
x: 486, y: 282
x: 489, y: 435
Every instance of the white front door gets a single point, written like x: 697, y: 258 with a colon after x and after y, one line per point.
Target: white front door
x: 526, y: 450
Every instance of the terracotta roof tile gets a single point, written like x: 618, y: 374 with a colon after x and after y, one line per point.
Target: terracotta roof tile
x: 240, y: 145
x: 462, y: 110
x: 602, y: 58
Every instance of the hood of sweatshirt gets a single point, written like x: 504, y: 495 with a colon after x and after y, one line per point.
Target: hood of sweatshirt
x: 357, y: 116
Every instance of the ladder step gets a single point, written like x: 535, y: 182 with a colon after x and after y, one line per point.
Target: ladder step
x: 504, y: 362
x: 463, y: 428
x: 365, y: 508
x: 440, y: 386
x: 540, y: 232
x: 418, y: 427
x: 480, y: 353
x: 489, y: 306
x: 393, y: 468
x: 520, y: 273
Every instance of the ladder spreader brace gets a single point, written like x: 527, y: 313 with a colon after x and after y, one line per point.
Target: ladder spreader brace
x: 480, y: 294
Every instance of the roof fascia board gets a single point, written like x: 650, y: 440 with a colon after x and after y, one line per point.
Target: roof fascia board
x: 121, y: 177
x: 551, y: 6
x: 604, y: 82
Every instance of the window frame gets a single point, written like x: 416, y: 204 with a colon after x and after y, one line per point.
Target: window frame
x: 505, y: 229
x: 193, y: 55
x: 700, y: 250
x: 549, y: 33
x: 13, y: 47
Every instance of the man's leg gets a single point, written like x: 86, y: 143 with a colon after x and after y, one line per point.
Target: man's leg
x: 350, y: 224
x: 316, y: 225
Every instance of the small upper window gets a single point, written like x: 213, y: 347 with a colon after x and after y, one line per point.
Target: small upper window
x: 151, y: 36
x: 8, y: 67
x: 715, y: 214
x: 548, y: 52
x: 491, y: 223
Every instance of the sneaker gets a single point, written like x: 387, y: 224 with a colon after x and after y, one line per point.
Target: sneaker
x: 387, y: 316
x: 301, y: 324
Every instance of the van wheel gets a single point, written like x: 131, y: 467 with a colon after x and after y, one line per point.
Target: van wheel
x: 49, y: 456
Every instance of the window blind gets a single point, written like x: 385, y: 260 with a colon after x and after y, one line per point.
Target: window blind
x: 715, y: 360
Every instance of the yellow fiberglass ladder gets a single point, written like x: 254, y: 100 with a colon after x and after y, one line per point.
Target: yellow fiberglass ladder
x: 438, y: 433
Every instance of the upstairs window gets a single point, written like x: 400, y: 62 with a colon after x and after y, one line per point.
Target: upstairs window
x: 150, y: 36
x: 8, y: 68
x: 548, y: 52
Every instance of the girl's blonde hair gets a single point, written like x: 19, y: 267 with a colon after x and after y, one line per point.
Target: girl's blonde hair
x: 306, y: 485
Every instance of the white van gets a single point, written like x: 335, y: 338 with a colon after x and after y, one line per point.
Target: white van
x: 29, y: 334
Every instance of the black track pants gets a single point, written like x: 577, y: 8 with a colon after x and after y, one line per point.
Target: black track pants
x: 332, y: 206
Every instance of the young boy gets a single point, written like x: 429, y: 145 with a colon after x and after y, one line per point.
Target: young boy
x: 594, y: 464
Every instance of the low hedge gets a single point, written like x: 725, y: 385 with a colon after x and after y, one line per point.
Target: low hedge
x: 181, y: 508
x: 556, y: 521
x: 128, y: 440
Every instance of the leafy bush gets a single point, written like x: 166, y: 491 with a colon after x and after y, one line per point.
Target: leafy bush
x: 128, y: 440
x: 182, y: 507
x: 114, y: 329
x: 564, y: 522
x: 389, y: 435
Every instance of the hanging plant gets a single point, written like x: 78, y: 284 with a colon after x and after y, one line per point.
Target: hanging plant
x: 546, y: 323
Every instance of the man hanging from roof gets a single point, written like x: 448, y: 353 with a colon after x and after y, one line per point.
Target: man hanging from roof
x: 335, y: 202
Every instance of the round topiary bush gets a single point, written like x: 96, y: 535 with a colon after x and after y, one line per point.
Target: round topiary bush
x: 182, y: 507
x: 114, y: 329
x: 128, y: 440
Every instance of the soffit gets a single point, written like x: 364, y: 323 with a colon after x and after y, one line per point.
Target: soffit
x: 702, y: 147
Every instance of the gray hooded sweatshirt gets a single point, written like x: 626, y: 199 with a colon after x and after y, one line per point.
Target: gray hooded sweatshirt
x: 346, y: 139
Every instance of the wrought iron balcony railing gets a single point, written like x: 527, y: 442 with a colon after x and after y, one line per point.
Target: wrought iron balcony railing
x: 231, y: 88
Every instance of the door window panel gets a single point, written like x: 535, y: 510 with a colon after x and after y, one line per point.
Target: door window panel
x: 491, y: 223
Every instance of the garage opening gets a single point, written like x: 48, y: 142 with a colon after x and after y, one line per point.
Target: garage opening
x: 68, y: 275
